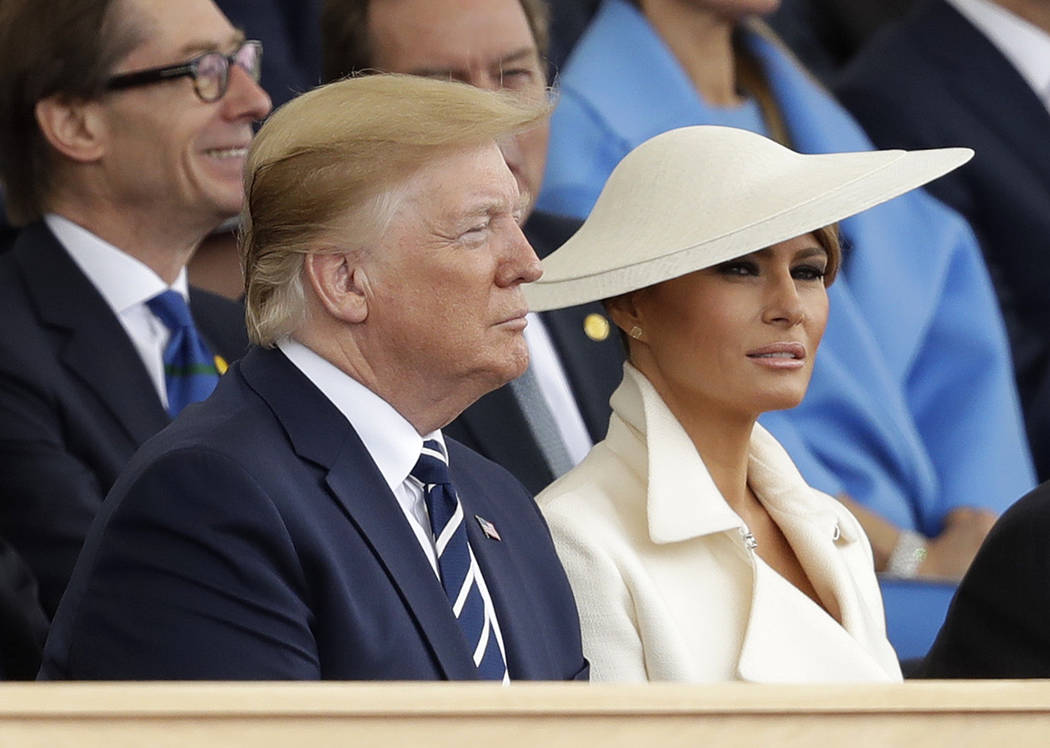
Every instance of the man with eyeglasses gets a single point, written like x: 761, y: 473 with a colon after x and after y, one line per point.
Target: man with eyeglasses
x: 126, y: 125
x: 543, y: 423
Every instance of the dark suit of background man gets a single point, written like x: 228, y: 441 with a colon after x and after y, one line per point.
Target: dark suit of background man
x: 278, y: 530
x: 977, y: 73
x: 115, y: 189
x: 536, y: 433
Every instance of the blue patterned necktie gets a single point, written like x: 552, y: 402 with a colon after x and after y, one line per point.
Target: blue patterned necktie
x: 456, y: 564
x: 190, y: 373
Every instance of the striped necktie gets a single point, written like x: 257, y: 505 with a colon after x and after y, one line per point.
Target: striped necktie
x: 456, y: 563
x: 189, y: 368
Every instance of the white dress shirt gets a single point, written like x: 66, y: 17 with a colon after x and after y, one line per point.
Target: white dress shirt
x: 126, y: 284
x: 554, y: 386
x: 1025, y: 45
x: 392, y: 442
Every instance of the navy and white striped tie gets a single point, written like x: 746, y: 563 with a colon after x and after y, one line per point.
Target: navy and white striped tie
x: 456, y: 563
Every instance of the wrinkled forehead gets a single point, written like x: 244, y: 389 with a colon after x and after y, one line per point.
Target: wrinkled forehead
x: 474, y: 173
x: 438, y: 36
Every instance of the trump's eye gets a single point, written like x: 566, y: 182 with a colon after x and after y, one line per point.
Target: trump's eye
x: 476, y: 232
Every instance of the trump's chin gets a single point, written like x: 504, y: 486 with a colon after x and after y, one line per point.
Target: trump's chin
x: 513, y: 363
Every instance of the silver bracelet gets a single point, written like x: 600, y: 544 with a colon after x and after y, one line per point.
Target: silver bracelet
x: 908, y: 554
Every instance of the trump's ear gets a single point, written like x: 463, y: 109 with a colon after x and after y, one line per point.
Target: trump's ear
x: 73, y: 127
x: 340, y: 285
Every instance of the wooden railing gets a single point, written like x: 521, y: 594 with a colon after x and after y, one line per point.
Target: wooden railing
x: 1000, y: 714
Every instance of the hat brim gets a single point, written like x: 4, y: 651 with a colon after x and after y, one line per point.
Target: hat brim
x: 643, y: 229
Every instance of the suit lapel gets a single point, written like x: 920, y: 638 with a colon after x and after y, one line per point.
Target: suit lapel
x: 319, y: 433
x: 96, y: 349
x: 593, y: 367
x: 972, y: 67
x: 496, y: 423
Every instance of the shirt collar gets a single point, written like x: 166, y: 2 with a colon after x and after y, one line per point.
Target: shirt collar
x: 123, y: 281
x: 1025, y: 45
x: 391, y: 441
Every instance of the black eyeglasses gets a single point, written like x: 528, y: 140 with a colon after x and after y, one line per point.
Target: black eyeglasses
x: 210, y: 71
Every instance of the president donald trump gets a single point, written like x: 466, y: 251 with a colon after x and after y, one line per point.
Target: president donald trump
x: 309, y: 520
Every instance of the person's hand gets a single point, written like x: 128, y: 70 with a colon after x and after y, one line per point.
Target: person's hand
x: 948, y: 555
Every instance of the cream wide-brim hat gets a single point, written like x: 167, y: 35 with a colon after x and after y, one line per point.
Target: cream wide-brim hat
x: 693, y: 197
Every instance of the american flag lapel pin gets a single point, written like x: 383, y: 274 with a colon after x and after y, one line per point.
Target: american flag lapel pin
x: 488, y: 528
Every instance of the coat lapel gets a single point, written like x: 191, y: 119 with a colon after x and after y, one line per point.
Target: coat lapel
x: 496, y: 423
x: 592, y: 366
x: 822, y: 540
x: 321, y: 434
x: 96, y: 348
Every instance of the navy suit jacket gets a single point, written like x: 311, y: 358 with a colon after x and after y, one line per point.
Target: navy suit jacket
x: 495, y: 425
x: 23, y: 624
x: 75, y: 400
x: 255, y: 538
x: 935, y: 80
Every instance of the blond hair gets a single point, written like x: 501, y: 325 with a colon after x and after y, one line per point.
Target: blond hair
x: 329, y: 159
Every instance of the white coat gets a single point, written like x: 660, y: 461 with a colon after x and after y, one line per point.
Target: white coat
x: 665, y: 583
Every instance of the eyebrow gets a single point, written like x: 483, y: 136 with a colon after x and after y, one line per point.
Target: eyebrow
x: 802, y: 254
x: 519, y: 55
x: 497, y: 205
x: 202, y: 46
x: 444, y: 72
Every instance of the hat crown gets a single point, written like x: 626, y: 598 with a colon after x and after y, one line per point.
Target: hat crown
x: 695, y: 196
x: 693, y: 185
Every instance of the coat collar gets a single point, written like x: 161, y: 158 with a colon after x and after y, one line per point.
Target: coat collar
x: 319, y: 433
x: 683, y: 501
